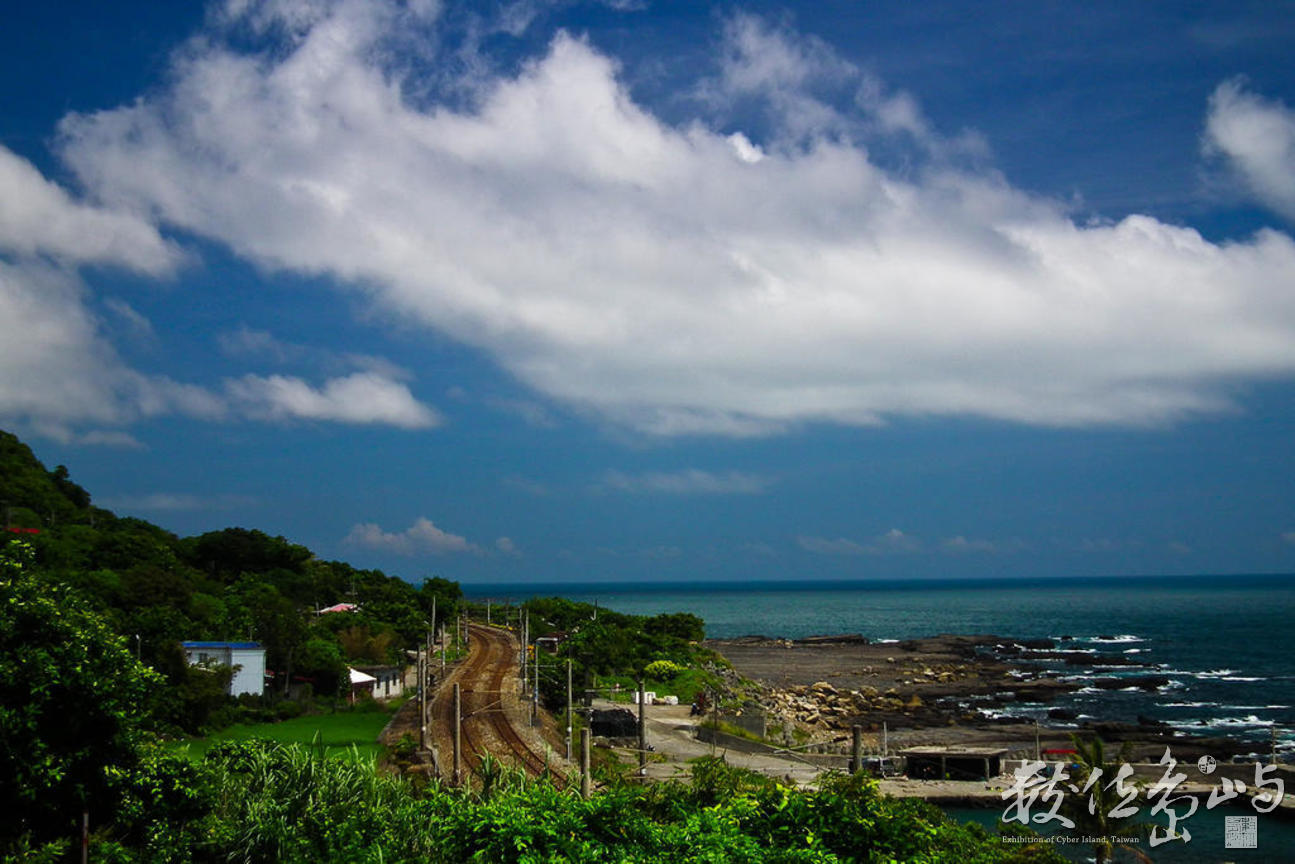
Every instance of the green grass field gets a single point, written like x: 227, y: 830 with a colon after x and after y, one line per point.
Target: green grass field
x: 338, y: 733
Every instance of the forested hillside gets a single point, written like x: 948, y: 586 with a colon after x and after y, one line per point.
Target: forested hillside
x: 158, y: 590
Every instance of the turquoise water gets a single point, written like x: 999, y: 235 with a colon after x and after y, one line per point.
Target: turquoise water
x: 1222, y: 641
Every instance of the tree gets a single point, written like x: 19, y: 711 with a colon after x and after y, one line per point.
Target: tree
x: 70, y: 692
x: 1091, y: 812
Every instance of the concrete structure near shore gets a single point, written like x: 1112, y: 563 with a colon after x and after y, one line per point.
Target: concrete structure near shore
x: 953, y: 762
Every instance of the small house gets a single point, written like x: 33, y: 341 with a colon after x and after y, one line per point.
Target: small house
x: 247, y: 658
x: 388, y: 681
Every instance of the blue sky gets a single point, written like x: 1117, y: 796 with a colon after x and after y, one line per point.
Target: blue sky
x: 630, y: 291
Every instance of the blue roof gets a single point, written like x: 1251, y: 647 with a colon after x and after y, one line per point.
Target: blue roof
x: 221, y: 644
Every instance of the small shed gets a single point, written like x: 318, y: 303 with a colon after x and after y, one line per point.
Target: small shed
x: 388, y: 682
x: 552, y: 641
x: 953, y: 763
x: 361, y: 684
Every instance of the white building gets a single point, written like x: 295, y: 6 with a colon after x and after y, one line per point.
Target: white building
x: 247, y: 658
x: 380, y: 682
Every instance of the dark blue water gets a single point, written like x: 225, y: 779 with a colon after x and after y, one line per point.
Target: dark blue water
x: 1227, y: 643
x: 1274, y: 837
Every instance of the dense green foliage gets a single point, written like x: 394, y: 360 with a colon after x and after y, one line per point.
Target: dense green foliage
x: 266, y: 802
x: 69, y: 693
x: 612, y: 647
x: 158, y: 590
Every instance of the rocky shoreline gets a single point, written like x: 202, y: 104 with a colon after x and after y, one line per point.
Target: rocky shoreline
x: 945, y: 689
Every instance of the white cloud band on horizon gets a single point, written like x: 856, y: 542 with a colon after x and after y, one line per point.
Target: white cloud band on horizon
x: 687, y: 482
x: 677, y: 279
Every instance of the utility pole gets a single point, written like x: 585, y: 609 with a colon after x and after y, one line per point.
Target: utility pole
x: 535, y: 691
x: 1038, y: 753
x: 714, y: 713
x: 526, y: 628
x: 856, y: 749
x: 568, y: 709
x: 487, y: 613
x: 458, y: 730
x: 422, y: 701
x: 642, y: 732
x: 584, y: 763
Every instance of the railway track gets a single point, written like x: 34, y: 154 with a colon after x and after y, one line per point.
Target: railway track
x: 486, y: 726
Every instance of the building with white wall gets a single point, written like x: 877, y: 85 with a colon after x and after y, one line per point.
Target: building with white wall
x: 247, y: 658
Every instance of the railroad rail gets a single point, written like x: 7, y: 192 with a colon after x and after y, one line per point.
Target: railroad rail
x: 483, y: 692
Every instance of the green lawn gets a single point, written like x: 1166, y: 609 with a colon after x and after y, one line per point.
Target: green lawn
x: 337, y: 732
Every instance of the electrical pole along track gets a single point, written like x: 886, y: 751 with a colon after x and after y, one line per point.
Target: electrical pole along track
x: 487, y: 682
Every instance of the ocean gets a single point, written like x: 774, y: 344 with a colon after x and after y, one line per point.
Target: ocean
x: 1222, y: 641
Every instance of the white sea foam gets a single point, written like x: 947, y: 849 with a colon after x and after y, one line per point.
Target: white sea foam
x: 1248, y: 721
x: 1112, y: 640
x: 1215, y: 673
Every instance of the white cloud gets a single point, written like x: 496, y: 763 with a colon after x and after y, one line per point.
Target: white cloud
x: 38, y: 217
x: 1257, y: 138
x: 58, y: 369
x: 423, y: 537
x: 176, y: 502
x: 655, y: 275
x: 960, y: 544
x: 686, y: 482
x: 363, y: 397
x: 823, y: 546
x: 892, y: 542
x: 506, y: 546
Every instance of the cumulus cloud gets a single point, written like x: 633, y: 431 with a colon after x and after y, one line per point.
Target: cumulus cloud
x: 38, y: 217
x: 687, y: 482
x: 421, y: 538
x: 363, y: 397
x: 1256, y: 137
x: 60, y: 370
x: 676, y: 279
x: 892, y: 542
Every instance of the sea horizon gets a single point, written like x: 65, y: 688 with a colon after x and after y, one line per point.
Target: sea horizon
x: 517, y: 590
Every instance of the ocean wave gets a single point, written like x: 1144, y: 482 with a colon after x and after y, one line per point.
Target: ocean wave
x: 1135, y: 650
x: 1240, y: 678
x: 1192, y: 705
x: 1248, y: 721
x: 1060, y: 650
x: 1114, y: 640
x: 1215, y: 673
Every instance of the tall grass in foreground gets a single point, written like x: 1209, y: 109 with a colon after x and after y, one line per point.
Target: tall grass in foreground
x: 264, y: 801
